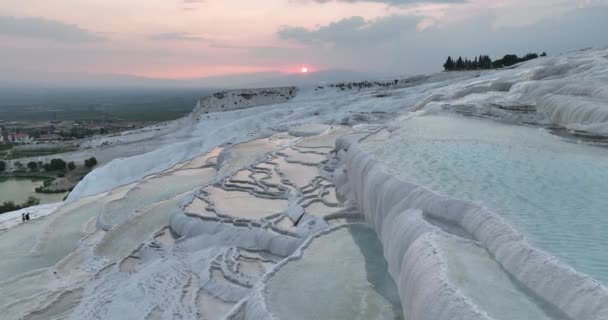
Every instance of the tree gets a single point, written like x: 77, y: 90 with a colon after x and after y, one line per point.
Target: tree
x: 8, y: 206
x: 449, y: 64
x: 71, y: 165
x: 2, y: 166
x: 31, y: 201
x: 58, y: 164
x: 459, y: 64
x: 19, y: 165
x: 90, y: 163
x: 497, y: 64
x: 32, y: 165
x: 529, y: 56
x: 544, y: 54
x: 510, y: 59
x: 485, y: 62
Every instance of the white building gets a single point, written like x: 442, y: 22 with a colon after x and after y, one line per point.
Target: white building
x: 20, y: 138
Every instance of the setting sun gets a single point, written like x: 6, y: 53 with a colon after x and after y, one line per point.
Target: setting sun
x: 304, y: 70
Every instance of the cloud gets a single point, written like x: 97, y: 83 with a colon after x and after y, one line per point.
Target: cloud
x: 41, y: 28
x: 397, y: 42
x: 352, y: 31
x: 176, y: 36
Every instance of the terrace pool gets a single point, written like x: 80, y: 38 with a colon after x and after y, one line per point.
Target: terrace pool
x: 555, y: 192
x: 341, y: 275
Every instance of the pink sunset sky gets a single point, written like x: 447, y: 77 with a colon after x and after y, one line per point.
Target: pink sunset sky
x: 179, y: 39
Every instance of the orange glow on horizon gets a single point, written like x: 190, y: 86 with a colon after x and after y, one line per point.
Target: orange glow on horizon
x: 194, y: 72
x: 185, y: 72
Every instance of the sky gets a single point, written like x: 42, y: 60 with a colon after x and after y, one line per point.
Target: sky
x: 185, y: 39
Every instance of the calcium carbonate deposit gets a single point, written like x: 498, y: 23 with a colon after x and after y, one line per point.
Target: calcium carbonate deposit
x: 459, y: 195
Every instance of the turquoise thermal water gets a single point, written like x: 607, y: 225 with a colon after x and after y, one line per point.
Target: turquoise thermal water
x: 555, y: 192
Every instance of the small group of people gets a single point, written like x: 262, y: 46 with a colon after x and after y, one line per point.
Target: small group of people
x: 25, y: 217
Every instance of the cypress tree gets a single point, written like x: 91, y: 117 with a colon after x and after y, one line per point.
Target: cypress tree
x: 449, y: 64
x: 459, y: 64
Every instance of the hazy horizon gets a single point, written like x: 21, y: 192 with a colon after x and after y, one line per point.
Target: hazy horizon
x: 49, y: 80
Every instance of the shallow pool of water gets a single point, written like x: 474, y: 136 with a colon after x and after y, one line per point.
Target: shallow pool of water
x: 19, y: 189
x: 341, y: 275
x: 160, y: 188
x: 555, y: 192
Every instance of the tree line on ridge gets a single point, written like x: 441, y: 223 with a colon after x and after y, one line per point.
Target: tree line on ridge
x: 485, y: 62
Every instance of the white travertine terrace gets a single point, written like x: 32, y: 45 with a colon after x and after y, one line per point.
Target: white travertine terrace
x: 227, y: 206
x: 243, y: 98
x: 424, y: 233
x: 192, y: 251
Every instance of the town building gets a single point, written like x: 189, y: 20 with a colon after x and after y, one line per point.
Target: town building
x: 20, y: 138
x: 49, y: 137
